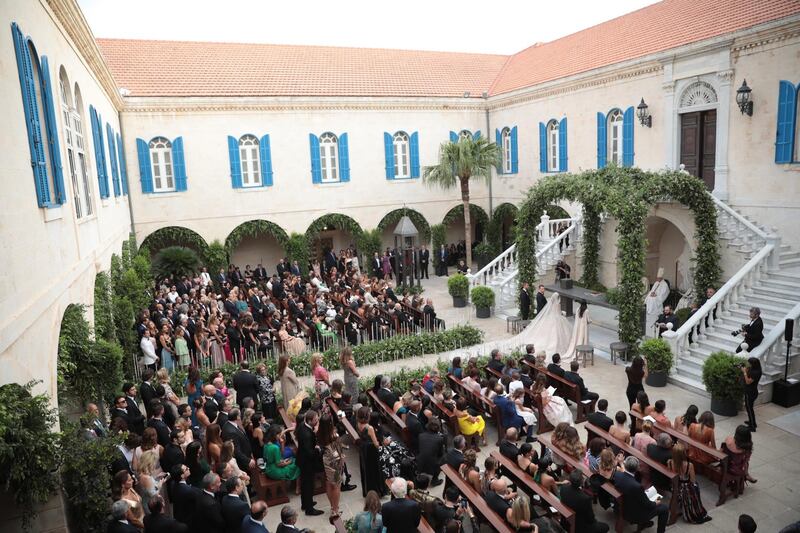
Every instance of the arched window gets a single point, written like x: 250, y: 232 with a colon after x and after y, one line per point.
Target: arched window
x: 505, y: 139
x: 82, y: 166
x: 161, y: 158
x: 329, y: 157
x: 42, y: 112
x: 464, y: 134
x: 73, y: 142
x: 615, y: 137
x: 402, y: 168
x: 552, y: 146
x: 251, y: 164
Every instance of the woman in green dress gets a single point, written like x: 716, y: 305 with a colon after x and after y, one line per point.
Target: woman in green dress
x: 275, y: 466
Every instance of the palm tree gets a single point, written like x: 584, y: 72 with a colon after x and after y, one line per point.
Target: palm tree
x: 458, y: 162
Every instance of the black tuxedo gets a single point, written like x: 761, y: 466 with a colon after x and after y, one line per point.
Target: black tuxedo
x: 183, y: 497
x: 638, y: 509
x: 118, y: 412
x: 454, y: 458
x: 376, y: 267
x: 173, y: 455
x: 431, y: 452
x: 246, y: 385
x: 662, y: 455
x: 575, y: 378
x: 162, y: 430
x: 207, y: 515
x: 280, y: 269
x: 496, y: 365
x: 118, y: 527
x: 388, y: 397
x: 509, y: 449
x: 581, y: 504
x: 524, y: 304
x: 442, y: 268
x: 667, y: 319
x: 120, y: 462
x: 234, y: 509
x: 260, y: 273
x: 241, y: 444
x: 753, y: 334
x: 415, y: 428
x: 600, y: 420
x: 308, y: 461
x: 424, y: 259
x: 330, y: 261
x: 211, y: 408
x: 541, y: 301
x: 148, y: 393
x: 430, y: 316
x: 135, y: 416
x: 555, y: 369
x: 401, y: 515
x: 159, y: 523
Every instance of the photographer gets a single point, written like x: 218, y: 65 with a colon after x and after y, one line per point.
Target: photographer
x: 667, y: 321
x: 752, y: 375
x: 753, y: 332
x: 454, y: 508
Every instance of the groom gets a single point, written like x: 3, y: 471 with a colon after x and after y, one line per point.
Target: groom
x: 541, y: 301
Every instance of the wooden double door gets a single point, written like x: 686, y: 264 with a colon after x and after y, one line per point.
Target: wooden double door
x: 698, y: 144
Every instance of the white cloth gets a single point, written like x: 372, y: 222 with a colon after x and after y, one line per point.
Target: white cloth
x: 527, y: 416
x: 580, y: 335
x: 514, y: 385
x: 148, y: 350
x: 550, y: 330
x: 654, y: 303
x: 205, y: 278
x: 556, y: 409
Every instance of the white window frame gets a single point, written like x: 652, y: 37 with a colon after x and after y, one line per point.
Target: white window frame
x: 329, y: 157
x: 553, y: 146
x: 162, y: 165
x: 69, y: 144
x: 614, y: 154
x: 464, y: 134
x: 80, y: 152
x: 402, y: 155
x: 250, y: 159
x: 505, y: 139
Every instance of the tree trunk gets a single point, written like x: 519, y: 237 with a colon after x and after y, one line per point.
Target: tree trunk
x: 467, y: 222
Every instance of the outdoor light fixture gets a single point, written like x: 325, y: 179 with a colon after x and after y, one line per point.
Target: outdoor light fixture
x: 466, y: 94
x: 743, y: 99
x: 645, y: 118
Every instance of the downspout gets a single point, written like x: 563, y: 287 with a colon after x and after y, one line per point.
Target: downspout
x: 485, y: 97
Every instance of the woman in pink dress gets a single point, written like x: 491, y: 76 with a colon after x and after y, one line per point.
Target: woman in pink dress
x: 322, y: 380
x: 386, y: 266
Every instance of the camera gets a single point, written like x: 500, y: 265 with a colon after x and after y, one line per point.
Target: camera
x: 736, y: 333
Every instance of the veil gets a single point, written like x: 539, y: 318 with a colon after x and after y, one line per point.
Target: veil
x: 550, y: 330
x: 580, y: 335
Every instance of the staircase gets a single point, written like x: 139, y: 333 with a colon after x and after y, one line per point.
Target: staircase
x: 770, y: 280
x: 502, y: 272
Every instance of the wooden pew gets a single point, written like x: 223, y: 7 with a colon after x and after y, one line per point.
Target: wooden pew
x: 606, y: 487
x: 424, y: 526
x: 654, y: 466
x: 566, y: 389
x: 525, y: 481
x: 718, y: 473
x: 534, y: 400
x: 443, y: 412
x: 272, y: 491
x: 476, y: 501
x: 344, y: 421
x: 391, y: 418
x: 482, y: 404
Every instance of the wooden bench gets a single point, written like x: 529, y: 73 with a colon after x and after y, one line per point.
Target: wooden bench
x: 718, y: 474
x: 654, y: 466
x: 344, y: 421
x: 480, y: 403
x: 476, y: 501
x: 566, y: 389
x: 525, y: 481
x: 272, y: 491
x: 446, y: 414
x: 606, y: 487
x: 534, y: 401
x: 391, y: 418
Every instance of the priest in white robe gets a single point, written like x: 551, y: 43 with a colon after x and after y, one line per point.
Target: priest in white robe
x: 654, y: 301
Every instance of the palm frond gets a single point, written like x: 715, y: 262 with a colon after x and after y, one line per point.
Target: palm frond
x: 466, y: 158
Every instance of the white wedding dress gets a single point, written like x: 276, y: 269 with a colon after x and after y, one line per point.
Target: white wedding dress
x: 580, y: 335
x: 549, y: 331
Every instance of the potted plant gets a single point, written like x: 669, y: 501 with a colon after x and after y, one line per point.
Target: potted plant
x: 458, y: 287
x: 483, y: 299
x: 722, y: 377
x: 484, y: 253
x: 658, y: 355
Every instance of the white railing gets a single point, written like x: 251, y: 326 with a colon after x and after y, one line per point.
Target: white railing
x: 772, y: 350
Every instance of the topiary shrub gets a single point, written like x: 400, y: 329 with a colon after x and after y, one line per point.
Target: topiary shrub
x: 683, y: 314
x: 175, y: 262
x: 482, y: 296
x: 458, y: 286
x: 216, y: 257
x: 722, y: 376
x: 658, y: 355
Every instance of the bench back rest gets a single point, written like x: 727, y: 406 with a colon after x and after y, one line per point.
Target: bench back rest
x: 593, y: 430
x: 682, y: 437
x: 476, y: 501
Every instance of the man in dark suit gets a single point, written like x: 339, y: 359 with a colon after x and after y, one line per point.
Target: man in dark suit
x: 599, y: 418
x: 638, y: 509
x: 207, y: 516
x: 424, y: 259
x: 376, y: 266
x: 281, y: 268
x: 308, y: 458
x: 288, y: 520
x: 120, y: 511
x: 158, y: 522
x: 157, y: 423
x: 295, y: 268
x: 455, y: 455
x: 661, y: 451
x: 667, y: 321
x: 575, y: 378
x: 245, y: 383
x: 414, y: 424
x: 234, y: 508
x: 386, y: 394
x: 555, y: 366
x: 173, y: 453
x: 254, y: 521
x: 508, y: 412
x: 508, y: 446
x: 260, y: 273
x: 400, y: 515
x: 120, y: 411
x: 212, y: 405
x: 442, y: 256
x: 431, y: 450
x: 524, y: 302
x: 330, y: 260
x: 242, y: 450
x: 496, y: 361
x: 572, y: 496
x: 754, y: 331
x: 123, y: 455
x: 135, y: 417
x: 182, y: 495
x: 147, y: 390
x: 541, y: 301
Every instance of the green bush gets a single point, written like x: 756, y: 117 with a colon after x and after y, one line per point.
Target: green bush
x: 103, y: 316
x: 297, y: 249
x: 658, y: 355
x: 683, y: 314
x: 439, y: 237
x: 175, y: 262
x: 458, y: 286
x: 613, y: 296
x: 482, y: 296
x: 28, y: 448
x: 216, y: 257
x: 722, y: 376
x: 485, y: 252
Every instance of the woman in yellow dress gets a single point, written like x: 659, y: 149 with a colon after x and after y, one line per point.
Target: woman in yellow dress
x: 468, y: 425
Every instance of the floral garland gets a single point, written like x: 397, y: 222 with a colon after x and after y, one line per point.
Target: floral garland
x: 175, y: 236
x: 254, y: 228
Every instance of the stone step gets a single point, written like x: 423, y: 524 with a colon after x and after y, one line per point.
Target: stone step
x: 792, y: 280
x: 789, y: 255
x: 769, y: 298
x: 716, y: 344
x: 789, y: 263
x: 773, y: 291
x: 768, y: 312
x: 688, y: 382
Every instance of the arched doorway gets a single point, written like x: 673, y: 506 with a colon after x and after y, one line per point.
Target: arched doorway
x: 256, y: 242
x: 453, y: 221
x: 333, y: 231
x: 174, y: 236
x: 389, y: 222
x: 697, y: 113
x: 504, y: 218
x: 668, y: 248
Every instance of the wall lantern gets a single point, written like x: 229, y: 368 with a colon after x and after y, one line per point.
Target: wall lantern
x: 743, y: 99
x: 645, y: 118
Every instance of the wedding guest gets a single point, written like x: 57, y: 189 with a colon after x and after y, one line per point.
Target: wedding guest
x: 685, y: 420
x: 618, y: 430
x: 643, y: 438
x: 703, y: 432
x: 688, y: 491
x: 636, y: 374
x: 659, y: 413
x: 290, y: 385
x: 739, y: 448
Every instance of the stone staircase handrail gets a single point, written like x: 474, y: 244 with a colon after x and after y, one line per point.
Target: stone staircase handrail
x: 772, y: 350
x: 495, y: 266
x: 722, y: 206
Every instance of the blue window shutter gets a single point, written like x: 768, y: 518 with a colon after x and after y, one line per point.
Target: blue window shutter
x: 498, y: 140
x: 102, y: 150
x: 145, y: 168
x: 236, y: 163
x: 476, y: 135
x: 344, y: 159
x: 179, y: 164
x: 97, y: 132
x: 265, y: 152
x: 316, y: 164
x: 28, y: 88
x: 413, y: 148
x: 123, y: 171
x: 388, y: 154
x: 52, y: 133
x: 514, y: 152
x: 784, y: 139
x: 542, y: 147
x: 562, y: 145
x: 601, y: 140
x: 112, y: 156
x: 627, y: 137
x: 453, y: 137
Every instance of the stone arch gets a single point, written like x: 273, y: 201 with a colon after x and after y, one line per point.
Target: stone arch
x: 256, y: 241
x: 390, y: 220
x: 478, y: 217
x: 174, y: 236
x: 696, y: 95
x: 329, y: 231
x: 502, y: 226
x: 668, y: 246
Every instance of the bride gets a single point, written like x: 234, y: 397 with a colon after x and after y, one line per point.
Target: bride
x: 549, y: 331
x: 580, y: 334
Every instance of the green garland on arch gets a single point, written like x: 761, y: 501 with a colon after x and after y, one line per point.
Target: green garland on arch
x: 175, y: 236
x: 255, y: 228
x: 393, y: 217
x: 335, y: 220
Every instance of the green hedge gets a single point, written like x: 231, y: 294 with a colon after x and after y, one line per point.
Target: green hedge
x: 482, y: 296
x: 722, y: 376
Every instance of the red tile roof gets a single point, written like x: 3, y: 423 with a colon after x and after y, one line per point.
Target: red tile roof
x: 181, y: 68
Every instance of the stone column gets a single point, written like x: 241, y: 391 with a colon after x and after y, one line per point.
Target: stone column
x: 725, y: 79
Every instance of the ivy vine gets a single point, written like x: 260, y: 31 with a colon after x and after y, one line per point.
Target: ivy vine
x: 255, y: 228
x: 334, y: 220
x: 297, y: 249
x: 175, y: 236
x: 393, y: 217
x: 495, y: 230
